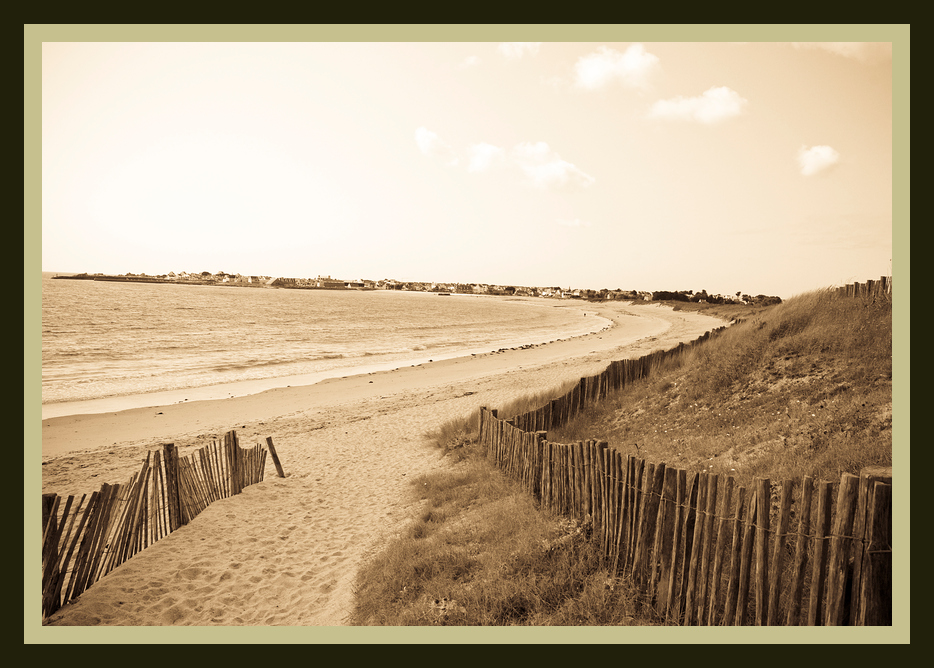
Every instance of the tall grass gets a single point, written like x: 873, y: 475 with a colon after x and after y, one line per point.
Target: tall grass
x: 802, y: 388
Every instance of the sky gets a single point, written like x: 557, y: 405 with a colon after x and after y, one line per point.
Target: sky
x: 753, y: 167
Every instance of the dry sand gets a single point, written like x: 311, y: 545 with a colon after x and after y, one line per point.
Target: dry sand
x: 285, y: 551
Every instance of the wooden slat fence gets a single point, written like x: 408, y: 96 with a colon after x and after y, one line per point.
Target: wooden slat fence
x: 84, y: 539
x: 702, y: 550
x: 590, y: 390
x: 707, y: 552
x: 871, y: 290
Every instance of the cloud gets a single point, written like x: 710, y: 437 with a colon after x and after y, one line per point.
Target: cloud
x: 600, y: 68
x: 484, y: 156
x: 513, y: 50
x: 577, y: 222
x: 431, y: 145
x: 469, y: 61
x: 865, y: 52
x: 714, y: 105
x: 545, y: 169
x: 542, y: 167
x: 816, y: 159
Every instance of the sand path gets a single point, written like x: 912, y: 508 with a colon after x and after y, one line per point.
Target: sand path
x: 285, y: 551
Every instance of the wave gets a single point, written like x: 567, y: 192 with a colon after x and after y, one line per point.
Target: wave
x: 257, y: 364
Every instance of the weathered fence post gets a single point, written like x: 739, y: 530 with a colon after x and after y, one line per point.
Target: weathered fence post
x: 839, y: 549
x: 875, y: 600
x: 171, y: 486
x: 685, y: 543
x: 716, y: 588
x: 233, y: 464
x: 275, y: 457
x: 639, y: 569
x: 707, y: 543
x: 742, y: 590
x: 665, y: 531
x: 601, y: 479
x: 678, y: 511
x: 764, y: 504
x: 818, y: 570
x: 735, y: 558
x: 861, y: 529
x: 801, y: 554
x: 50, y: 552
x: 690, y: 598
x: 778, y: 549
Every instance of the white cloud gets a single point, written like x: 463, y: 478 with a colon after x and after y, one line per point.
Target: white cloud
x: 542, y: 166
x: 545, y: 169
x: 631, y: 68
x: 518, y: 49
x: 577, y: 222
x: 713, y: 106
x: 469, y: 61
x: 816, y: 159
x: 484, y: 156
x: 430, y: 144
x: 866, y: 52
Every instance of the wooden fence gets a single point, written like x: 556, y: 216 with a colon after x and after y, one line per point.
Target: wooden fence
x: 705, y: 552
x: 875, y: 290
x: 592, y: 389
x: 701, y: 549
x: 82, y: 542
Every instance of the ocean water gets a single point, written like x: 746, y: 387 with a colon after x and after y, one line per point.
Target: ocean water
x: 108, y: 339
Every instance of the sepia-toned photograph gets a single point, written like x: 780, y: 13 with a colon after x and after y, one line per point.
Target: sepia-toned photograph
x: 383, y: 328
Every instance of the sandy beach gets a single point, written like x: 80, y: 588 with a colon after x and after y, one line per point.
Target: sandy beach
x: 285, y: 551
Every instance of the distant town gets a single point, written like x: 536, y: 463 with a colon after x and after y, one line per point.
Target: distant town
x: 328, y: 283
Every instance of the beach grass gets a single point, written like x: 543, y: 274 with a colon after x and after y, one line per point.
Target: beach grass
x: 802, y: 388
x: 481, y: 553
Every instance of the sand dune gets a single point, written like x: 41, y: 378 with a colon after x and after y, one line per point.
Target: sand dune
x: 285, y: 551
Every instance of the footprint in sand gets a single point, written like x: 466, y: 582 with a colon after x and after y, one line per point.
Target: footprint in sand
x: 191, y: 573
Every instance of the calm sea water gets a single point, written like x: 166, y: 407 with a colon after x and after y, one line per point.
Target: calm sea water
x: 105, y: 339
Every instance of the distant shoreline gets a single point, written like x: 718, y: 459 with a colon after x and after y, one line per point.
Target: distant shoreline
x: 188, y: 281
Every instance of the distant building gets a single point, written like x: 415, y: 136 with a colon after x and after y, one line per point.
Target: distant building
x: 328, y: 282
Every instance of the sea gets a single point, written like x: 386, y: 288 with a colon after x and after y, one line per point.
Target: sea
x: 109, y: 340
